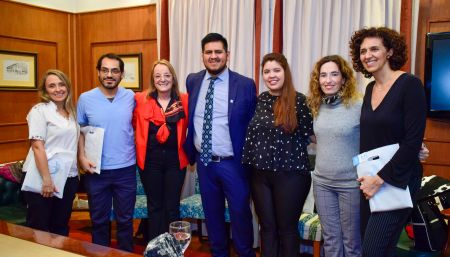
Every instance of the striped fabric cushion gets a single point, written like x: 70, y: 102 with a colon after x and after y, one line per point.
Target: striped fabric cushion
x: 309, y: 227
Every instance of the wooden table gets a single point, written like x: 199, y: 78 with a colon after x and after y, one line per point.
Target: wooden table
x: 21, y: 241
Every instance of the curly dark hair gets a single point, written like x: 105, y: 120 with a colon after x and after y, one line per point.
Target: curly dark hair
x: 391, y: 40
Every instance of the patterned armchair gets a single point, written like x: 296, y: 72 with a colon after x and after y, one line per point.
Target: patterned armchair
x: 310, y: 229
x: 140, y: 207
x: 191, y: 207
x: 12, y: 206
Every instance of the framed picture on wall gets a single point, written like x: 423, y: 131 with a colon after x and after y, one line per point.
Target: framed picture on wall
x: 18, y: 70
x: 132, y: 77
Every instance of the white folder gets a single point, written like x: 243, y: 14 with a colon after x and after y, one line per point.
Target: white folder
x: 93, y: 145
x: 59, y: 164
x: 388, y: 197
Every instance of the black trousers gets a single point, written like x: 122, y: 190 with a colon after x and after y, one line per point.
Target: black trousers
x: 162, y: 180
x: 51, y: 214
x: 279, y: 197
x: 381, y: 230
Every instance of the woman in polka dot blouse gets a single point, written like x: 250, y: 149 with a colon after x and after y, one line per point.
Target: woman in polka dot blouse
x: 275, y: 147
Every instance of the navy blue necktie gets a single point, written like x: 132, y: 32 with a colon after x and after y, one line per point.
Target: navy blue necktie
x: 206, y: 146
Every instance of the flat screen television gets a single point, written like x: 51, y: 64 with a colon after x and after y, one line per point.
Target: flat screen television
x: 437, y: 75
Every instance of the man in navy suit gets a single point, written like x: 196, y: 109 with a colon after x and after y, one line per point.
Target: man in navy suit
x: 222, y: 176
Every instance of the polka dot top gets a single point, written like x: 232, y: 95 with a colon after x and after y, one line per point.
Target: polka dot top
x: 270, y: 148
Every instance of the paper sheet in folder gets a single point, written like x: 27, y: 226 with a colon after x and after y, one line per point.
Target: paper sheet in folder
x: 388, y: 197
x: 93, y: 145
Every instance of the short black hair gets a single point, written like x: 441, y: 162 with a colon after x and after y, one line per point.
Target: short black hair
x: 214, y: 37
x: 110, y: 56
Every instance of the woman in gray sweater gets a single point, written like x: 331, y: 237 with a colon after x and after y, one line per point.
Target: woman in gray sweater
x: 336, y: 106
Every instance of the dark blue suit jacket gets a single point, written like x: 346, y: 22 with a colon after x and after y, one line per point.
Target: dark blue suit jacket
x: 241, y: 107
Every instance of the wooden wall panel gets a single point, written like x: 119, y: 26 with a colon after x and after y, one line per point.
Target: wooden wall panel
x: 71, y: 43
x: 148, y: 48
x: 434, y: 17
x: 11, y: 131
x: 122, y: 31
x: 13, y: 149
x: 37, y: 30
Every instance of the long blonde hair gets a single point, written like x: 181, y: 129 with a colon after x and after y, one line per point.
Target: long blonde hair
x: 68, y: 103
x: 348, y: 89
x: 175, y: 88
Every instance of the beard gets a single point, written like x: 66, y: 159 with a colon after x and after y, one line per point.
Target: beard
x: 109, y: 85
x: 216, y: 72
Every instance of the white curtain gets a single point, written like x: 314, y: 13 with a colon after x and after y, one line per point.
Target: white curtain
x: 267, y: 21
x: 313, y: 29
x: 191, y: 20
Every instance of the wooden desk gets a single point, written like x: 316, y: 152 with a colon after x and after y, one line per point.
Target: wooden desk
x: 17, y: 240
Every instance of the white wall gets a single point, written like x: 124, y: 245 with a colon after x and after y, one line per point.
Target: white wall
x: 78, y: 6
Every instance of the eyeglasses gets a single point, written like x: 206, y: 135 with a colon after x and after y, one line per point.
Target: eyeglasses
x: 106, y: 71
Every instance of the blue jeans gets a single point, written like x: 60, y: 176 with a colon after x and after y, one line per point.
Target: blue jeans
x: 112, y: 188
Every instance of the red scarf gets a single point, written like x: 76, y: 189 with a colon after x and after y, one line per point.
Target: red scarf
x: 173, y: 114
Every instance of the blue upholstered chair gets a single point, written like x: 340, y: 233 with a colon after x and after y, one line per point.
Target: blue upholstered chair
x: 140, y: 207
x: 191, y: 207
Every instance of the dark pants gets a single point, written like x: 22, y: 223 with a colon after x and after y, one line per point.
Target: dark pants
x: 162, y: 180
x: 381, y: 230
x: 51, y: 214
x: 279, y: 197
x: 112, y: 188
x: 226, y: 179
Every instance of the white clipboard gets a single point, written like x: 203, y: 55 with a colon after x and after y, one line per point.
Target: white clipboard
x: 388, y: 197
x: 93, y: 145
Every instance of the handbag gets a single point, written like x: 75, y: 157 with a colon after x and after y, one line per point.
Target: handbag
x: 430, y: 228
x: 388, y: 197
